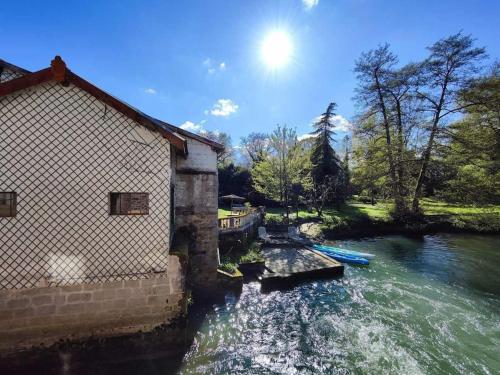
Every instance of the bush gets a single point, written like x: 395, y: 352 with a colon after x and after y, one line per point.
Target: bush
x: 275, y: 220
x: 229, y: 267
x: 253, y: 255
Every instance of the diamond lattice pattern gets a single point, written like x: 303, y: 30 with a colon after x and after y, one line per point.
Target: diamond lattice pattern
x: 63, y: 151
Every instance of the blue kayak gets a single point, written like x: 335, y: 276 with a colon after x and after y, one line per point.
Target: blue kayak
x: 346, y: 258
x: 338, y: 250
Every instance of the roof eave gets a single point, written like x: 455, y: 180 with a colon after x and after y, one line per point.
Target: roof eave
x: 61, y: 74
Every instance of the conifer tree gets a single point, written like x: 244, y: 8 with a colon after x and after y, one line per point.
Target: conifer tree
x: 326, y: 172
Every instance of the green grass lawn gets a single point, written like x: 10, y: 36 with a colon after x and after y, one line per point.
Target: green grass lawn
x: 223, y: 212
x: 380, y: 211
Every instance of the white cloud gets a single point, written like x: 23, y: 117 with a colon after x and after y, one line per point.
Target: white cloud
x: 150, y: 91
x: 341, y: 123
x: 306, y: 136
x: 309, y: 4
x: 207, y: 62
x: 223, y: 108
x: 211, y: 70
x: 222, y: 66
x: 191, y: 126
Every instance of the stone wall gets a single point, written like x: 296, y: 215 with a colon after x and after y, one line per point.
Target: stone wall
x: 196, y: 206
x: 44, y: 315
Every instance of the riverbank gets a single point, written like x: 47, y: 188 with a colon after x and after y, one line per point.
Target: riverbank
x: 356, y: 219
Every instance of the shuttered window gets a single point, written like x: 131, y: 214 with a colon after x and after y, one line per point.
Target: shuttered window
x: 8, y: 204
x: 128, y: 203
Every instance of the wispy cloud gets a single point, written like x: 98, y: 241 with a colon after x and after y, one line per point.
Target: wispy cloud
x: 150, y: 91
x: 223, y: 108
x: 213, y: 66
x: 309, y: 4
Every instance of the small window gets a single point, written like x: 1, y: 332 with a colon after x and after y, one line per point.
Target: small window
x: 128, y: 203
x: 8, y: 204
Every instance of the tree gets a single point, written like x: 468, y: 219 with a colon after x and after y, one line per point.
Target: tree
x: 276, y: 174
x: 325, y: 161
x: 472, y: 158
x: 453, y: 61
x: 376, y: 74
x: 225, y: 156
x: 234, y: 180
x: 326, y: 171
x: 255, y: 146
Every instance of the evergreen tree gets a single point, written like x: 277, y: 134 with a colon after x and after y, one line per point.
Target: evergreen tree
x: 324, y: 159
x: 326, y: 172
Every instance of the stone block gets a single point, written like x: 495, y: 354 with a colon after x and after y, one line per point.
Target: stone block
x: 23, y: 313
x: 101, y: 295
x: 18, y: 303
x: 60, y: 300
x: 72, y: 288
x: 123, y: 293
x: 156, y: 300
x: 45, y: 310
x: 74, y: 308
x: 114, y: 305
x: 44, y: 299
x: 79, y: 297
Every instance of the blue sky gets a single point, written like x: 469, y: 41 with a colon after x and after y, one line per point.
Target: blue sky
x: 176, y: 60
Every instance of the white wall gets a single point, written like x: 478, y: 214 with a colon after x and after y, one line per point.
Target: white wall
x: 63, y: 151
x: 201, y: 157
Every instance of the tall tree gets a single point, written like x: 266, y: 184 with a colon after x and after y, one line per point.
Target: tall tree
x: 381, y: 88
x: 255, y: 146
x: 453, y: 61
x: 326, y: 171
x: 325, y: 161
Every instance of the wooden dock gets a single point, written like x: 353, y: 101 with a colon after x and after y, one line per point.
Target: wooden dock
x: 286, y: 265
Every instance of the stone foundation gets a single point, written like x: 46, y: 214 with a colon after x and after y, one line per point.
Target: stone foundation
x: 44, y: 315
x: 196, y: 213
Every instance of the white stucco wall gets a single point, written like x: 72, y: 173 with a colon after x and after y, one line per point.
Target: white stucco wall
x: 201, y: 157
x: 62, y: 151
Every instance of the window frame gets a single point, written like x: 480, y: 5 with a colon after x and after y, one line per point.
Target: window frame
x: 12, y: 206
x: 121, y: 200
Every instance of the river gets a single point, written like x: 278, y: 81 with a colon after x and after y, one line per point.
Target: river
x: 425, y: 305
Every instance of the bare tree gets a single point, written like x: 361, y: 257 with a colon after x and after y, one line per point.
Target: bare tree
x: 225, y: 156
x: 255, y: 146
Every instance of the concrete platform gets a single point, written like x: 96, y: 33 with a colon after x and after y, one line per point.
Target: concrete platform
x: 285, y: 266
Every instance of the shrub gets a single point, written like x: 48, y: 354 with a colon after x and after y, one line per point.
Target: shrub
x: 253, y: 255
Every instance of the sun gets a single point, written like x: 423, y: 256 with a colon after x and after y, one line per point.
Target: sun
x: 276, y: 49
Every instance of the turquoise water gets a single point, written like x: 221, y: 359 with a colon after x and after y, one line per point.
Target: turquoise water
x: 425, y: 305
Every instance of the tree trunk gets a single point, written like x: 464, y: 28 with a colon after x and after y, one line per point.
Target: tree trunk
x: 398, y: 200
x: 428, y: 149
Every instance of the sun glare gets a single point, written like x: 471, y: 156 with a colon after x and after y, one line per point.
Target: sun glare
x: 276, y: 49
